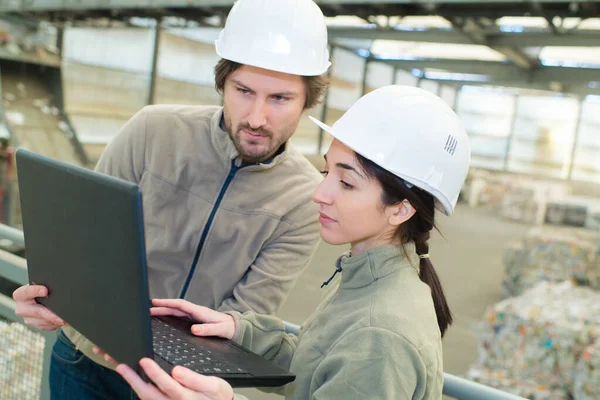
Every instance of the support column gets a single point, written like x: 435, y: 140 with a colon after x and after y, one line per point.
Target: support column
x: 509, y: 138
x: 575, y: 139
x: 323, y: 116
x: 363, y: 88
x: 155, y: 50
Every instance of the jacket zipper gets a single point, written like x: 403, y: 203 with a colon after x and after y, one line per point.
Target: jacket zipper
x: 232, y: 171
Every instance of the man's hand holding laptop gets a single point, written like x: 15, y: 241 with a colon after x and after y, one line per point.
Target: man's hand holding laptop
x: 33, y: 313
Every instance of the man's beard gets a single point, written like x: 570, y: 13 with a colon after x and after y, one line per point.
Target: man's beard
x: 243, y: 150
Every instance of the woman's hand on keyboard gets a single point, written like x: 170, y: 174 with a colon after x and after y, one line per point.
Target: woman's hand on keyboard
x: 182, y: 384
x: 211, y: 322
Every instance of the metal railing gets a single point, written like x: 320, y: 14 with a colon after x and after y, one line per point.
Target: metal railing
x: 14, y: 268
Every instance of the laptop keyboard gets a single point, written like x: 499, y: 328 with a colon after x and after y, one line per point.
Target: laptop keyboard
x: 170, y: 344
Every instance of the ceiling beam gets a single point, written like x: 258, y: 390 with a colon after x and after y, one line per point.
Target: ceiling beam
x: 473, y: 31
x: 497, y: 71
x: 462, y: 7
x: 494, y: 38
x: 493, y: 69
x: 589, y: 38
x: 500, y: 71
x: 578, y: 90
x: 371, y: 33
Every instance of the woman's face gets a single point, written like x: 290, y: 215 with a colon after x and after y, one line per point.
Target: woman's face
x: 351, y: 210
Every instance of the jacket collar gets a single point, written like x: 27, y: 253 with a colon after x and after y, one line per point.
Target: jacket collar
x: 227, y: 150
x: 377, y: 263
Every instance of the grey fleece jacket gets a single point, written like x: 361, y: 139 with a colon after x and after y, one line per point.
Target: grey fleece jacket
x: 217, y: 234
x: 375, y: 336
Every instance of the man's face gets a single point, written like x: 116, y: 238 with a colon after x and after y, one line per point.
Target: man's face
x: 262, y: 109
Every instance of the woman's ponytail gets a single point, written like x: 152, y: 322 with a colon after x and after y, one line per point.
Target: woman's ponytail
x: 429, y: 276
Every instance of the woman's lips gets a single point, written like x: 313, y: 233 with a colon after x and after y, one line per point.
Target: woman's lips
x: 325, y: 219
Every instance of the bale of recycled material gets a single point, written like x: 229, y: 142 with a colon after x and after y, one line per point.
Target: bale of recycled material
x: 541, y: 335
x: 587, y: 373
x: 562, y: 253
x: 552, y: 254
x: 515, y: 261
x: 502, y: 379
x: 519, y: 204
x: 21, y: 360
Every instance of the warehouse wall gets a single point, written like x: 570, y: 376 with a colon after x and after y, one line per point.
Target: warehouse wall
x: 107, y: 76
x: 542, y: 134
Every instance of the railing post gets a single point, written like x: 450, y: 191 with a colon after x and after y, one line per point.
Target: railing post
x: 49, y: 339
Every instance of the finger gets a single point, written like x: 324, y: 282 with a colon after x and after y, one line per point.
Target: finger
x: 195, y: 381
x: 40, y: 324
x: 29, y: 292
x: 158, y: 311
x: 165, y: 383
x: 43, y: 313
x: 36, y: 311
x: 37, y: 322
x: 216, y: 329
x: 111, y: 360
x: 144, y: 390
x: 197, y: 312
x: 97, y: 350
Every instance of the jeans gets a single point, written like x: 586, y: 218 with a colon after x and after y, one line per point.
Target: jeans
x: 73, y: 376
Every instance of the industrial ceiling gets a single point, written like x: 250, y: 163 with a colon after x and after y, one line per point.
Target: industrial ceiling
x: 380, y: 30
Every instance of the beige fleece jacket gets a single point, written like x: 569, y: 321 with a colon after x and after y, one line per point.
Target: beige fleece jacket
x: 217, y: 234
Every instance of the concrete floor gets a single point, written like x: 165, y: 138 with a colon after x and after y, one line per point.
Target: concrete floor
x: 468, y: 260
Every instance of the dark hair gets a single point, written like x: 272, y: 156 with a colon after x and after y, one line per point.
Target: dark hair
x: 417, y: 229
x: 315, y: 85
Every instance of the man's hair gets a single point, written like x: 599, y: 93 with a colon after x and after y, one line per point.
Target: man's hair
x: 315, y: 85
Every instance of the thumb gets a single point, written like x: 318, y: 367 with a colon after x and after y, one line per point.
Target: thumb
x: 210, y: 386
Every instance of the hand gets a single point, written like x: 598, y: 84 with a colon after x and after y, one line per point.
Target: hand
x: 35, y: 314
x: 212, y: 323
x: 182, y: 384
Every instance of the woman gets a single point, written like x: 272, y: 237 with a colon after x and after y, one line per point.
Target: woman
x: 399, y: 152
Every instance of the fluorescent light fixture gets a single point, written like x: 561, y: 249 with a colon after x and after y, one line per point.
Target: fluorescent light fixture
x: 417, y: 72
x: 509, y: 28
x: 453, y: 76
x: 394, y: 57
x: 363, y: 53
x: 593, y: 98
x: 568, y: 64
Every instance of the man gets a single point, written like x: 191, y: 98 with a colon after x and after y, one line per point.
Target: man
x: 228, y: 217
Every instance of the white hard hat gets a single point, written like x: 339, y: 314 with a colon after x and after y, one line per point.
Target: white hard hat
x: 411, y: 133
x: 288, y: 36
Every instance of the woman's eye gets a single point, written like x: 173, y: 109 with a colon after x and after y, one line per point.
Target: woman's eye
x: 324, y: 173
x: 346, y: 185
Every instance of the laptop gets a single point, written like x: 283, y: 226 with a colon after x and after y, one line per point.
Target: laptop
x: 84, y: 240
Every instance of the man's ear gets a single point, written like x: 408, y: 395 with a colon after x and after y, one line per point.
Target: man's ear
x: 400, y: 213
